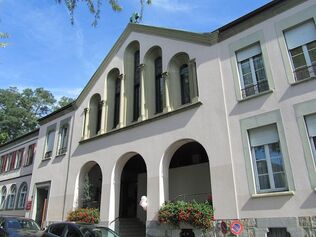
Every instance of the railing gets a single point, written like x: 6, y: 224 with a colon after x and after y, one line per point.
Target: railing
x: 305, y: 72
x: 62, y: 151
x: 261, y: 86
x: 194, y: 196
x: 115, y: 220
x: 48, y: 154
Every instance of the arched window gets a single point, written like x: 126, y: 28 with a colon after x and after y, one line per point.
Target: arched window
x: 11, y: 197
x: 185, y: 84
x: 95, y: 114
x: 3, y: 195
x: 158, y: 85
x: 117, y: 101
x: 136, y: 106
x: 22, y: 196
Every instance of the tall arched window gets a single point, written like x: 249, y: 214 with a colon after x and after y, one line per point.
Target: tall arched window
x: 136, y: 106
x: 3, y: 196
x: 117, y: 102
x: 185, y: 84
x: 95, y: 115
x: 158, y: 85
x: 11, y: 197
x: 22, y: 196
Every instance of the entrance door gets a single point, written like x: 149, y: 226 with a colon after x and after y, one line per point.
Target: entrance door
x: 41, y: 206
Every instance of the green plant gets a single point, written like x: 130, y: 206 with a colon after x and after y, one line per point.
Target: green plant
x: 85, y: 215
x: 198, y: 214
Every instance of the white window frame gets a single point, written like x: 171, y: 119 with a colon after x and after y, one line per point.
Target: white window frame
x: 269, y: 169
x: 63, y: 140
x: 11, y: 197
x: 22, y: 199
x: 19, y: 158
x: 3, y: 197
x: 49, y: 153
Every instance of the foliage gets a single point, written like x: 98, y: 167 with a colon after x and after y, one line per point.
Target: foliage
x: 86, y: 189
x: 3, y: 36
x: 19, y: 111
x: 94, y: 7
x: 85, y: 215
x: 63, y: 101
x: 198, y: 214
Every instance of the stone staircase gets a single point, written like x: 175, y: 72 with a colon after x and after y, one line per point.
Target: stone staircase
x: 131, y: 227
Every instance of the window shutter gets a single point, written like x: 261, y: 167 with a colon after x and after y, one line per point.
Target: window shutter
x: 50, y: 140
x: 311, y: 125
x: 248, y: 52
x: 13, y: 160
x: 21, y: 157
x: 300, y: 35
x: 263, y: 135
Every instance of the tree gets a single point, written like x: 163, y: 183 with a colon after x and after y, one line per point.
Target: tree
x: 95, y: 7
x: 63, y: 101
x: 3, y: 36
x: 20, y: 111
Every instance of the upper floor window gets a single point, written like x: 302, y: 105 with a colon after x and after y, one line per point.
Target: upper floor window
x: 19, y: 158
x: 267, y: 159
x: 3, y: 163
x: 185, y: 84
x: 117, y: 102
x: 136, y: 105
x: 311, y: 128
x: 252, y: 74
x: 22, y: 196
x: 49, y: 143
x: 301, y: 44
x: 158, y: 85
x: 30, y: 154
x: 11, y: 197
x: 3, y: 197
x: 63, y: 139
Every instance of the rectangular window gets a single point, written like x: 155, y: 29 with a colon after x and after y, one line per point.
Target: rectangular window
x: 252, y: 74
x: 63, y: 139
x: 19, y: 158
x: 267, y: 159
x: 311, y: 128
x: 8, y: 163
x: 30, y: 154
x: 301, y: 44
x: 49, y: 144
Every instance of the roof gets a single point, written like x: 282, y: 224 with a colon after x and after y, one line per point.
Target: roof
x: 26, y: 136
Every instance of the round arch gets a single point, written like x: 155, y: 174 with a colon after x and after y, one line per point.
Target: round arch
x: 88, y: 186
x: 198, y: 163
x: 128, y: 184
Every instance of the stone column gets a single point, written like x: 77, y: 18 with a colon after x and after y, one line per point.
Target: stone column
x: 85, y: 134
x: 166, y: 97
x: 103, y: 116
x: 143, y: 113
x: 194, y: 90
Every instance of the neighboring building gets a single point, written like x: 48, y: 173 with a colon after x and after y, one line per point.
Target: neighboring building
x: 172, y: 114
x: 16, y: 165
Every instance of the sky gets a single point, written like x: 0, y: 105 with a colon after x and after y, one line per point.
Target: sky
x: 45, y: 50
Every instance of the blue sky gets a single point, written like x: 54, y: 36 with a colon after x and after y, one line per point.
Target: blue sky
x: 45, y: 50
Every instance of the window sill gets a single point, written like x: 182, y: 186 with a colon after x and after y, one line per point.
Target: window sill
x: 46, y: 159
x: 275, y: 194
x: 139, y: 123
x: 62, y: 154
x: 255, y: 96
x: 302, y: 81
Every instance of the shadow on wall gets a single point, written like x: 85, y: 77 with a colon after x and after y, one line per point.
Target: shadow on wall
x: 150, y: 129
x: 266, y: 203
x: 253, y: 104
x: 299, y: 89
x: 310, y: 202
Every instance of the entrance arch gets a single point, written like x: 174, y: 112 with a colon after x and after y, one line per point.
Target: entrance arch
x: 185, y: 172
x: 89, y: 186
x: 129, y: 181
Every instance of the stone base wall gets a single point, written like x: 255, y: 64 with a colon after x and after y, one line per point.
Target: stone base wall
x: 295, y: 227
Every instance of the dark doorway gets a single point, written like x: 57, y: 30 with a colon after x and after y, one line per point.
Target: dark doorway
x: 133, y: 185
x: 278, y: 232
x: 41, y: 205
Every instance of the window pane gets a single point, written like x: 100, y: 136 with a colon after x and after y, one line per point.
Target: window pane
x: 259, y: 68
x: 264, y: 182
x: 277, y: 164
x: 262, y: 167
x: 299, y: 61
x: 279, y: 180
x: 246, y: 72
x: 311, y: 47
x: 274, y: 150
x: 259, y: 153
